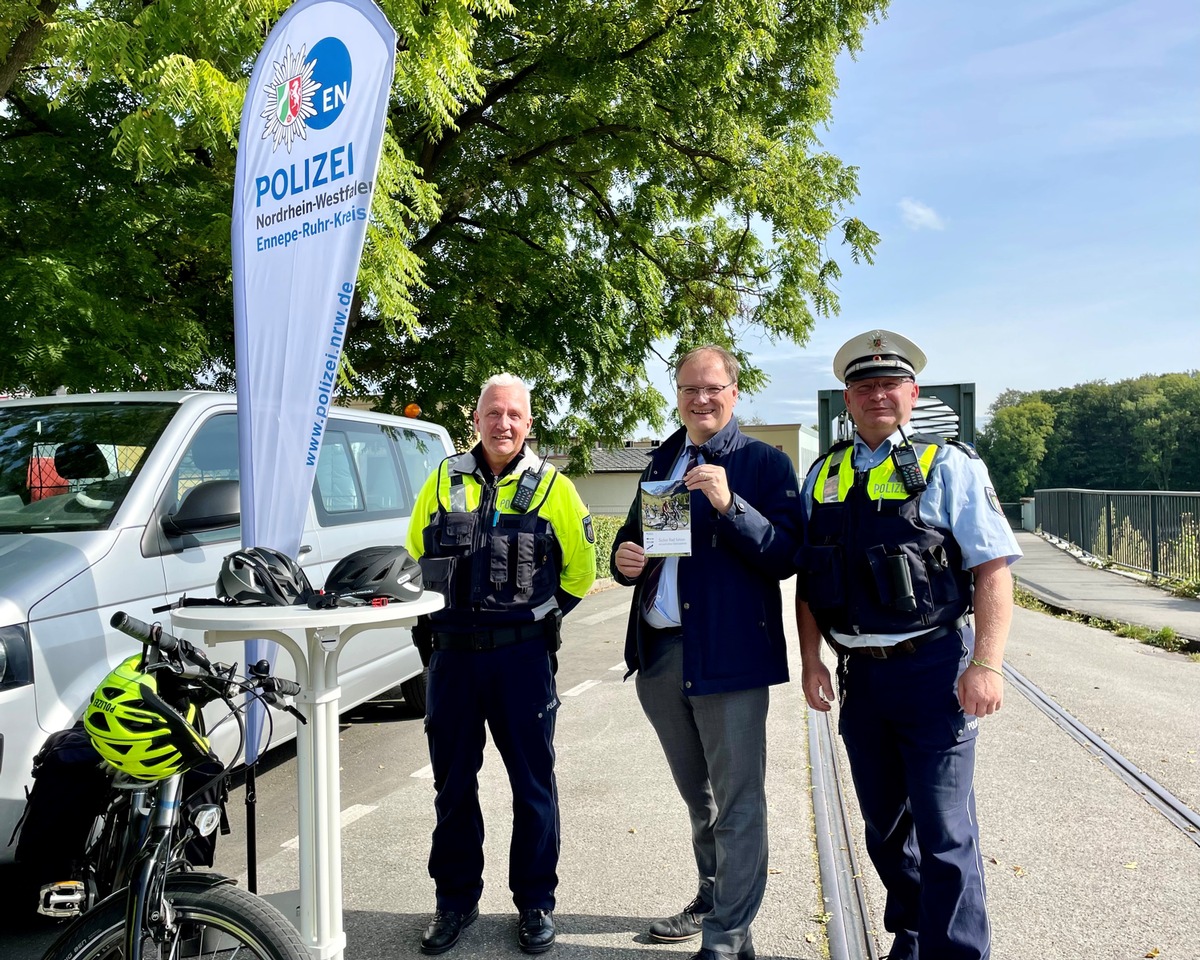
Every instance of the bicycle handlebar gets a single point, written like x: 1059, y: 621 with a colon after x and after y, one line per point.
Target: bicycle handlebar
x: 196, y: 664
x: 154, y: 634
x: 285, y: 688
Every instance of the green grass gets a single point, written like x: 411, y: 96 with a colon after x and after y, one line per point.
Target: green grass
x: 1165, y: 639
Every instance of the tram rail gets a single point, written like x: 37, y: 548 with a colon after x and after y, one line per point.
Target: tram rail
x: 1145, y: 786
x: 848, y: 924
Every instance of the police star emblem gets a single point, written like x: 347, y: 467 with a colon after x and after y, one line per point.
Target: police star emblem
x: 289, y: 99
x: 875, y: 340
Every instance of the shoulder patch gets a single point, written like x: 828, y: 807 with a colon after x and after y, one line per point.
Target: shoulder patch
x: 966, y: 448
x: 934, y: 438
x: 993, y: 500
x: 588, y: 531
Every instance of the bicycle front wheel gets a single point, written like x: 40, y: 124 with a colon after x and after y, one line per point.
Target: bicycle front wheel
x: 212, y: 922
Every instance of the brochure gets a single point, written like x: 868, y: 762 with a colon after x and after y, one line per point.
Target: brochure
x: 666, y: 519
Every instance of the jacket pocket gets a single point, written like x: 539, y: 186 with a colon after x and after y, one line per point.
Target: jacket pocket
x: 437, y: 572
x: 458, y: 529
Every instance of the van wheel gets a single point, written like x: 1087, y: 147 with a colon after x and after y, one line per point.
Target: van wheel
x: 413, y: 691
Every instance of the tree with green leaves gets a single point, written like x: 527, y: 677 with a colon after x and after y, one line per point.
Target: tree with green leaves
x: 1136, y: 434
x: 1013, y: 445
x: 1159, y: 420
x: 574, y: 191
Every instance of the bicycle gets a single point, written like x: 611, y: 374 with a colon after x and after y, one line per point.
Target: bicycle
x: 160, y: 906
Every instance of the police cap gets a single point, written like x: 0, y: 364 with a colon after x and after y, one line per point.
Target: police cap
x: 878, y: 353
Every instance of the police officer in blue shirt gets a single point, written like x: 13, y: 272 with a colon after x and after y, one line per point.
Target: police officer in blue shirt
x: 904, y: 539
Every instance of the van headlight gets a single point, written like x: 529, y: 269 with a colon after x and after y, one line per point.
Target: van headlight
x: 16, y: 662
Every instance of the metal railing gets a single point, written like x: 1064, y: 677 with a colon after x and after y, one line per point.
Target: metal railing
x: 1155, y: 532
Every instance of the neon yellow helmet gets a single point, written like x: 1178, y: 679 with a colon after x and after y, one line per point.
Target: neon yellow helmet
x: 137, y: 731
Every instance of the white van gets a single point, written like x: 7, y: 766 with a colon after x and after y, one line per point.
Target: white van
x: 127, y: 501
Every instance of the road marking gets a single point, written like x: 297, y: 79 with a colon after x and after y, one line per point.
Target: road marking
x: 619, y: 666
x: 594, y: 618
x: 425, y: 773
x: 349, y: 815
x: 580, y: 688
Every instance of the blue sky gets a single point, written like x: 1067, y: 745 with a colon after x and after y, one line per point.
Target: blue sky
x: 1033, y: 167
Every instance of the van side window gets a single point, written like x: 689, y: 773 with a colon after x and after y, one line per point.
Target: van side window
x: 421, y: 453
x: 359, y: 475
x: 212, y: 454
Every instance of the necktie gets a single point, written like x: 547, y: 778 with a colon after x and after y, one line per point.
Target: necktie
x: 654, y: 566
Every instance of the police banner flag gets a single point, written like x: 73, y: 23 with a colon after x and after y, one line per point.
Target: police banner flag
x: 310, y: 141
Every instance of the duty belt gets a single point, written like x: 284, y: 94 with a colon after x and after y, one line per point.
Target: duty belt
x: 492, y: 639
x: 904, y: 647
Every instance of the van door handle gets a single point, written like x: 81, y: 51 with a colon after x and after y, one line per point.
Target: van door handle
x: 305, y: 548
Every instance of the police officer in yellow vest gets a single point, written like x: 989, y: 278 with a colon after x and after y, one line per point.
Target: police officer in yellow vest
x: 509, y: 543
x: 904, y: 537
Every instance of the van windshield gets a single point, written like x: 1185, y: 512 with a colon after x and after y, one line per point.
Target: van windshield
x: 68, y: 466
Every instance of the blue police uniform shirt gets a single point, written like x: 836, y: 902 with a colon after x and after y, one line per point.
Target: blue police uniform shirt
x: 664, y: 615
x: 960, y: 498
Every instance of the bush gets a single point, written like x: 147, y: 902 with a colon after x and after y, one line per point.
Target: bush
x: 606, y: 531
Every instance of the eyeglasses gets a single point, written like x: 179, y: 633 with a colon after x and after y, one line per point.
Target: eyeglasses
x: 865, y: 388
x: 691, y: 393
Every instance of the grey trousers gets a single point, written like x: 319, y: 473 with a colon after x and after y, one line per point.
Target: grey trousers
x: 717, y: 751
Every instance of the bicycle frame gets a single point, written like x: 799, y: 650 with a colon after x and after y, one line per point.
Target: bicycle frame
x: 147, y: 910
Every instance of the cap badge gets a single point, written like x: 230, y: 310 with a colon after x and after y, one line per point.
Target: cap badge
x: 876, y: 342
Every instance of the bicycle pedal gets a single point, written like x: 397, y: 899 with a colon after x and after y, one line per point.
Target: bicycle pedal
x: 63, y: 900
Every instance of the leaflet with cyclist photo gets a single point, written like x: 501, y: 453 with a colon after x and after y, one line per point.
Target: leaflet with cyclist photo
x: 666, y: 519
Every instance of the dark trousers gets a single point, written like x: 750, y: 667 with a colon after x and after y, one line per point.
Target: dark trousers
x: 912, y: 755
x: 512, y: 691
x: 716, y: 748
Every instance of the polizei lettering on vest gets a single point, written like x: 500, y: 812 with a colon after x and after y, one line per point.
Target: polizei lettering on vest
x: 319, y: 170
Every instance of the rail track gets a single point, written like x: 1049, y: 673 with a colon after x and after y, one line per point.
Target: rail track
x: 849, y: 928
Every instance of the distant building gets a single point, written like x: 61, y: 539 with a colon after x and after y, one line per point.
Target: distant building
x: 799, y: 442
x: 610, y: 488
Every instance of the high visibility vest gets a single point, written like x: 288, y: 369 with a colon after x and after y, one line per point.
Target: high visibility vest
x: 494, y: 565
x: 871, y: 564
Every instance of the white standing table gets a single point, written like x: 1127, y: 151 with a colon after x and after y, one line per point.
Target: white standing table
x: 325, y: 633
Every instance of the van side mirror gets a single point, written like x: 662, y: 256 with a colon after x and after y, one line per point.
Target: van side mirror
x: 210, y: 505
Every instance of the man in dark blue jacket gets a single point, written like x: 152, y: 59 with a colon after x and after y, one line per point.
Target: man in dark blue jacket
x: 706, y: 639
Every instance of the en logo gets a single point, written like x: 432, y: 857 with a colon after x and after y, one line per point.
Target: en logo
x: 307, y: 90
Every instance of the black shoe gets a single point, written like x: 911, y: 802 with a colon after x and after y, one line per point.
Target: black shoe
x: 445, y: 928
x: 708, y: 953
x: 683, y: 926
x: 535, y: 931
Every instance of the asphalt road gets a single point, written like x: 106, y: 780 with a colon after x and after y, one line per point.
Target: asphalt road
x: 1078, y: 865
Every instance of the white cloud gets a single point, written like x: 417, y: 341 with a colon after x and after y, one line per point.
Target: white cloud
x: 920, y: 216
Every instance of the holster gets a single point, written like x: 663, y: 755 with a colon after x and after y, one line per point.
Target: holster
x: 422, y: 634
x: 554, y: 631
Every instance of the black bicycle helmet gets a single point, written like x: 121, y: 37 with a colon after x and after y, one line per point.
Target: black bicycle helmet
x: 376, y: 572
x: 263, y: 576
